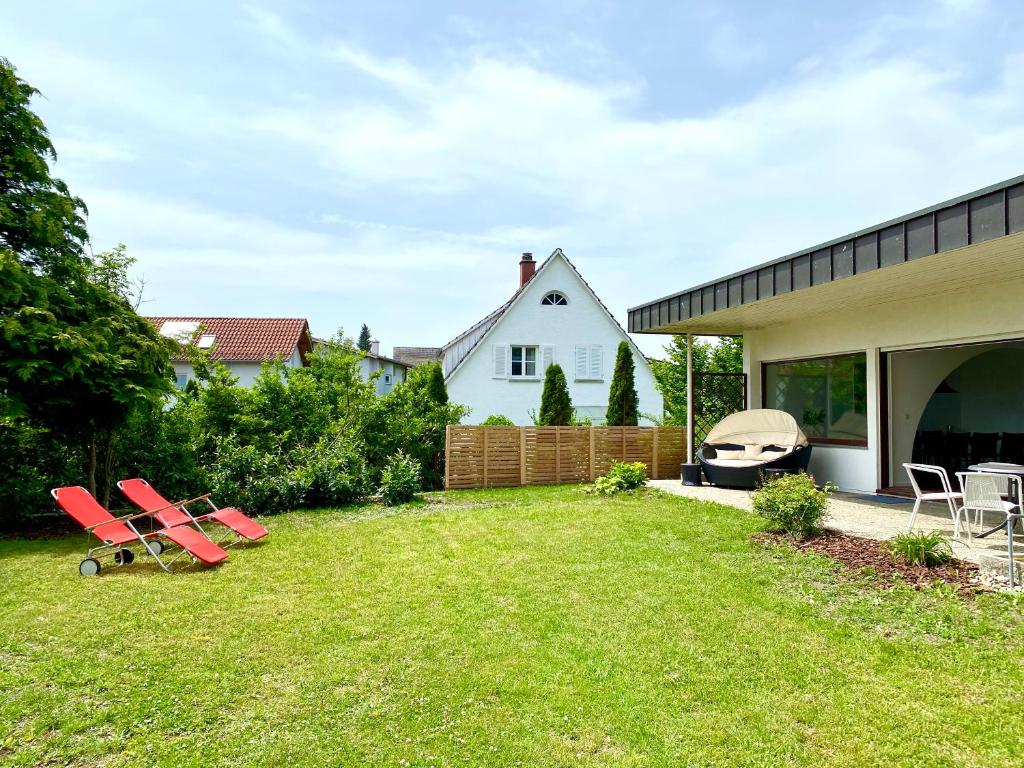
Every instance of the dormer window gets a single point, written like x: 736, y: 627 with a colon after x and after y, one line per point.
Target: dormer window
x: 554, y: 299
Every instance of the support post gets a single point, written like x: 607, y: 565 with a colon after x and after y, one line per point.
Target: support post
x: 593, y: 467
x: 689, y: 398
x: 654, y: 455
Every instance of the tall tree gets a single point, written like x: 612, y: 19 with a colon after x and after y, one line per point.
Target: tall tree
x: 555, y: 404
x: 623, y: 402
x: 75, y: 357
x: 364, y: 338
x: 723, y: 354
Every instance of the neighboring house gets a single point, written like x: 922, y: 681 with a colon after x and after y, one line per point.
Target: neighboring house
x: 392, y: 371
x: 243, y: 344
x: 497, y: 366
x: 413, y: 356
x: 903, y: 341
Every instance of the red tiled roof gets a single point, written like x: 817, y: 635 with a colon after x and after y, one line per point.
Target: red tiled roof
x: 249, y: 338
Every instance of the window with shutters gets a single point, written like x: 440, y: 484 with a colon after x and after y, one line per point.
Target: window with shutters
x: 589, y: 362
x: 554, y: 299
x: 523, y: 362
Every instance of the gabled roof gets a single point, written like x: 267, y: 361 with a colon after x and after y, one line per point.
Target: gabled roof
x: 481, y: 329
x: 241, y: 339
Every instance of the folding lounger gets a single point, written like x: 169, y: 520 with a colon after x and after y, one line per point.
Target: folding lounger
x: 169, y: 514
x: 117, y: 533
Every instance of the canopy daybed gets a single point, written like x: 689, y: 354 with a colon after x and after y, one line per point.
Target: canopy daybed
x: 742, y: 446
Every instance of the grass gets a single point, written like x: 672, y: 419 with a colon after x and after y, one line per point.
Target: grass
x: 539, y: 627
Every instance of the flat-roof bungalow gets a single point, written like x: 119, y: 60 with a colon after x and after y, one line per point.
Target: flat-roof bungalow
x: 901, y: 341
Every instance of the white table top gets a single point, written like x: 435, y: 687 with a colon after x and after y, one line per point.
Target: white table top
x: 999, y: 467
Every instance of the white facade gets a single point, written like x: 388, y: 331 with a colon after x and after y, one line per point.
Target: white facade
x: 392, y: 373
x: 938, y: 325
x: 581, y: 336
x: 246, y: 371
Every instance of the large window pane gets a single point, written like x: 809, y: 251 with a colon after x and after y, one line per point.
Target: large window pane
x: 827, y: 396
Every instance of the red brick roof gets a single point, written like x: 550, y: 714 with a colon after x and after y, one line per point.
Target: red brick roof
x: 249, y: 338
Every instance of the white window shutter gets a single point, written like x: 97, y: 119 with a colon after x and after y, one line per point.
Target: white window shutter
x: 596, y: 362
x: 500, y: 358
x: 547, y: 357
x: 581, y: 361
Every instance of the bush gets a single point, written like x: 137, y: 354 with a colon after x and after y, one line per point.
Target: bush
x: 622, y: 476
x: 400, y: 480
x: 921, y: 548
x: 331, y: 473
x: 497, y: 421
x: 792, y: 503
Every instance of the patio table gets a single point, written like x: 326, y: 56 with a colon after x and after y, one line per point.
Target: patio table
x: 998, y: 468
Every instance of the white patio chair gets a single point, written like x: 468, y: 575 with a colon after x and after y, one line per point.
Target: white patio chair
x: 947, y: 495
x: 991, y: 492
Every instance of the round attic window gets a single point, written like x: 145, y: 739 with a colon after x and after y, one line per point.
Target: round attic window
x: 554, y: 299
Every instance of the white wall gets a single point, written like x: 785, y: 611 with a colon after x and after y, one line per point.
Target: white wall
x: 370, y: 365
x: 960, y: 315
x: 245, y: 371
x: 583, y: 321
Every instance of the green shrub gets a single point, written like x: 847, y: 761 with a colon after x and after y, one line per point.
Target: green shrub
x: 497, y: 421
x: 792, y: 503
x: 332, y: 473
x: 921, y: 548
x: 622, y: 476
x: 400, y: 480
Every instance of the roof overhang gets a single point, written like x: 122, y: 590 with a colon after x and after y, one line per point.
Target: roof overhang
x: 969, y: 240
x: 974, y: 266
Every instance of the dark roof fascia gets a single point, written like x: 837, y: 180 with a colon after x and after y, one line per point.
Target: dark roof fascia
x: 999, y: 186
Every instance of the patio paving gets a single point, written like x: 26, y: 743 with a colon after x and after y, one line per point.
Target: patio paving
x: 877, y: 517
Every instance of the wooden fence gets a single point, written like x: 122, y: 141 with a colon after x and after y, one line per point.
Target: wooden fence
x: 486, y: 457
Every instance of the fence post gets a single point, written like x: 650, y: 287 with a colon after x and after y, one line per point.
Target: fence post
x: 447, y: 454
x: 485, y: 455
x: 654, y: 458
x: 558, y: 455
x: 522, y: 455
x: 593, y: 469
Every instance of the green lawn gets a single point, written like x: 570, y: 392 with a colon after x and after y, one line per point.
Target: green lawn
x: 524, y: 627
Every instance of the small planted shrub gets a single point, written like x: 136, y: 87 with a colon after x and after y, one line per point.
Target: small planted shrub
x: 400, y: 480
x: 793, y: 504
x: 929, y: 549
x: 498, y: 420
x: 623, y: 476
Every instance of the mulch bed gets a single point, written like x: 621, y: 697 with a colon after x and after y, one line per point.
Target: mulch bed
x: 856, y: 553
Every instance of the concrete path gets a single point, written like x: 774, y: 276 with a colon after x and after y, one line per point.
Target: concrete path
x: 878, y: 517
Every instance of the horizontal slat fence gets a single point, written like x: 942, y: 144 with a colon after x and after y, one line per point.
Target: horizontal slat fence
x: 488, y: 457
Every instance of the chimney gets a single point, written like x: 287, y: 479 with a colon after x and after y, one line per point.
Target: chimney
x: 527, y: 268
x: 374, y: 347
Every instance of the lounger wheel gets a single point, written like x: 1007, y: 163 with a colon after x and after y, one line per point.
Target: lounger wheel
x: 89, y: 567
x: 124, y: 557
x: 155, y: 546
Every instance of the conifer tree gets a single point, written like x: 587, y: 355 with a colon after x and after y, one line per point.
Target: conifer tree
x: 364, y: 338
x: 436, y: 389
x: 623, y: 402
x: 555, y: 405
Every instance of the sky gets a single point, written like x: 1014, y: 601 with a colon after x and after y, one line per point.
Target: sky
x: 386, y: 163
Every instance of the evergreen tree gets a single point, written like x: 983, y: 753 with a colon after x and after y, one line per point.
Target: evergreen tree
x: 364, y: 338
x: 436, y: 389
x: 623, y: 402
x: 555, y: 405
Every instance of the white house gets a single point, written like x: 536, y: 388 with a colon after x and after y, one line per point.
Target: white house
x: 392, y: 372
x: 903, y: 341
x: 243, y: 344
x: 497, y: 366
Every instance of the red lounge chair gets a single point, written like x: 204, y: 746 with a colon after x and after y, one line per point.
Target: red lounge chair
x: 118, y: 532
x: 169, y: 514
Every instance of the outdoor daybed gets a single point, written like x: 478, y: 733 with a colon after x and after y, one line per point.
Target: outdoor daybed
x: 742, y: 446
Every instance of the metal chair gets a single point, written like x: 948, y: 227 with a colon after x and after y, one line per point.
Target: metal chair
x: 988, y: 492
x: 947, y: 495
